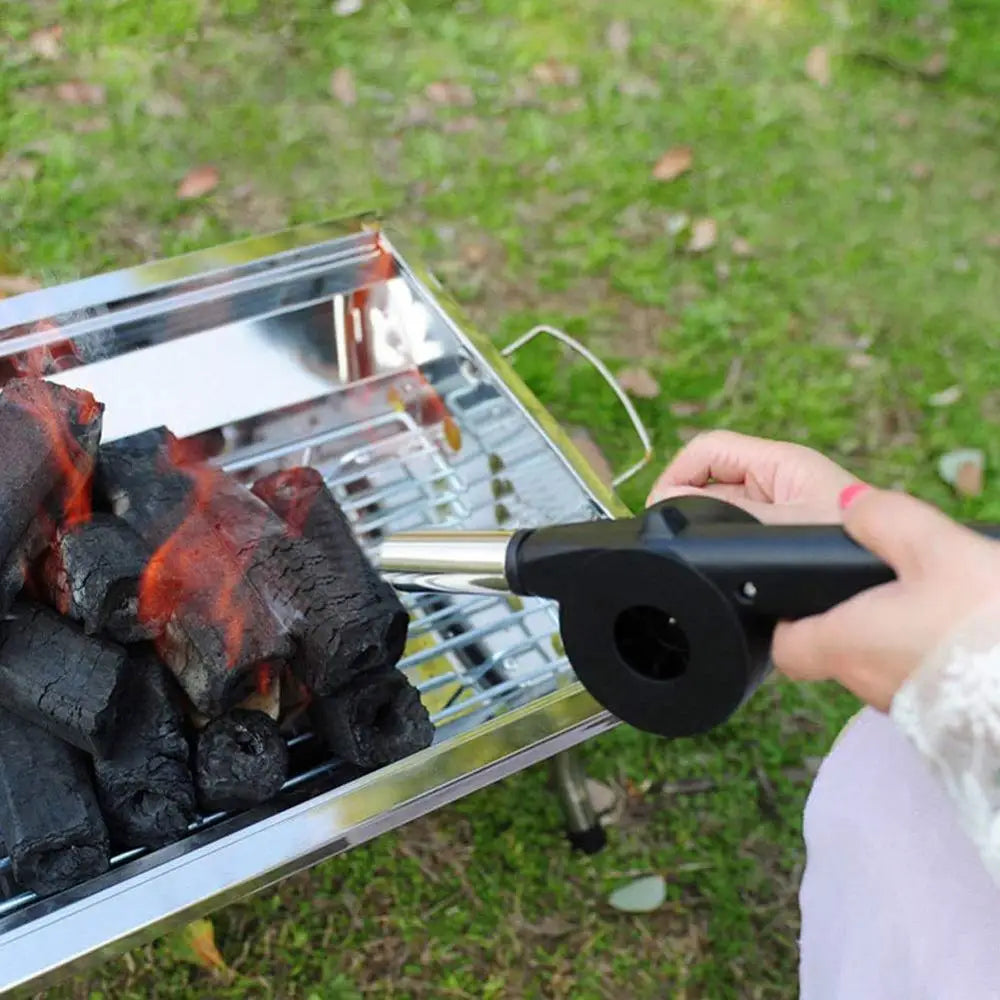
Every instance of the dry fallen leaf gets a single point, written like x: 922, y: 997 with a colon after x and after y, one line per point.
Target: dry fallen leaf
x: 818, y: 65
x: 17, y: 284
x: 673, y: 163
x: 198, y: 182
x: 935, y: 65
x: 523, y: 94
x: 740, y: 247
x: 639, y: 383
x: 342, y: 86
x: 969, y: 481
x: 164, y: 105
x: 684, y: 410
x: 569, y: 106
x: 602, y: 797
x: 475, y: 254
x: 80, y: 92
x: 639, y: 86
x: 619, y: 37
x: 992, y: 241
x: 199, y: 937
x: 946, y: 397
x: 556, y: 74
x: 460, y: 125
x: 592, y: 453
x: 18, y: 168
x: 47, y: 42
x: 921, y: 171
x: 704, y: 233
x: 905, y: 119
x: 99, y: 123
x: 963, y: 469
x: 449, y: 92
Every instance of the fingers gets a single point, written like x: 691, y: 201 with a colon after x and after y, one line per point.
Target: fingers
x: 853, y: 643
x: 722, y: 456
x: 763, y: 511
x: 904, y: 532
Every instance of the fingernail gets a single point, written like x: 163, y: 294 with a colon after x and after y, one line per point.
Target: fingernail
x: 851, y: 493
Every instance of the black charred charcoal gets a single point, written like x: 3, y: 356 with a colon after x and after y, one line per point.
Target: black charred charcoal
x: 15, y: 573
x: 7, y: 885
x: 375, y: 720
x: 145, y: 788
x: 66, y: 682
x: 49, y: 437
x: 49, y: 814
x: 352, y: 620
x: 241, y: 760
x: 218, y: 628
x: 92, y: 574
x: 143, y: 486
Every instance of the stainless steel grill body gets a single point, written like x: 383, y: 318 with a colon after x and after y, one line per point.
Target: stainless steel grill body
x: 322, y: 346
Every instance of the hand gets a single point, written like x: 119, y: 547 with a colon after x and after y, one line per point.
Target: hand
x: 871, y: 643
x: 776, y: 482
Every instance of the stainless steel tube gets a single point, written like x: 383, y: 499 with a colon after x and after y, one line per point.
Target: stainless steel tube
x: 447, y: 562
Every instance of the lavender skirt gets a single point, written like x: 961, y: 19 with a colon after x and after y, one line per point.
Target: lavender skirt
x: 896, y: 904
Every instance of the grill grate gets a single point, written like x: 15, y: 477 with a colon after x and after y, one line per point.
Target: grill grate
x: 471, y: 658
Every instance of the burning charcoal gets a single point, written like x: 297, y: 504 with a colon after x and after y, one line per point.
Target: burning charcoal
x: 48, y: 810
x: 352, y: 619
x: 218, y: 628
x: 143, y: 487
x: 49, y: 436
x: 62, y: 680
x: 267, y: 696
x: 241, y: 760
x: 145, y: 787
x: 92, y: 574
x: 374, y: 720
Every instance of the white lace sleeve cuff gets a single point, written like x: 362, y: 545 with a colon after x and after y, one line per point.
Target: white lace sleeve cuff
x: 950, y: 710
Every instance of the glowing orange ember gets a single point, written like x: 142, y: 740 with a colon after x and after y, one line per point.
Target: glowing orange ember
x: 74, y: 463
x: 192, y: 573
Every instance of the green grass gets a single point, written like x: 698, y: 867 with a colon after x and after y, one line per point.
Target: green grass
x: 869, y: 204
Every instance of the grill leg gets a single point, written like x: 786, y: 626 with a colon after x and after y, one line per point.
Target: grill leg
x: 583, y: 829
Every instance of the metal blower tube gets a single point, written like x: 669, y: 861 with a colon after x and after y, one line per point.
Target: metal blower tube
x: 447, y: 562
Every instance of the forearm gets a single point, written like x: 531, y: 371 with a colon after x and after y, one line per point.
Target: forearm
x: 950, y: 710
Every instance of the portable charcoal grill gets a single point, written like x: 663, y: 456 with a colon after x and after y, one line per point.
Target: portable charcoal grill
x: 322, y: 346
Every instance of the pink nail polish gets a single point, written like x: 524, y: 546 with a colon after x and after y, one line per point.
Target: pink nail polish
x: 851, y: 493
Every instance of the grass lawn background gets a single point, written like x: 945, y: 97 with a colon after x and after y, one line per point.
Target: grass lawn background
x: 865, y: 279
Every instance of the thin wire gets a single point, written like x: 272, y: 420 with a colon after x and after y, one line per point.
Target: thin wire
x: 605, y: 372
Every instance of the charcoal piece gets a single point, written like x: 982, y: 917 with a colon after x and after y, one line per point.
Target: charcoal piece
x: 49, y: 814
x: 15, y: 573
x: 352, y: 620
x: 375, y: 720
x: 145, y: 787
x: 218, y: 628
x: 92, y: 573
x: 266, y: 696
x: 241, y: 761
x: 53, y: 675
x: 49, y: 436
x: 8, y: 888
x: 143, y: 486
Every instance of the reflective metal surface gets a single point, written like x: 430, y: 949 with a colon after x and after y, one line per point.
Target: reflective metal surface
x: 322, y: 346
x: 466, y: 562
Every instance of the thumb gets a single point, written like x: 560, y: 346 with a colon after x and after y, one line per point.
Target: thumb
x: 901, y: 530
